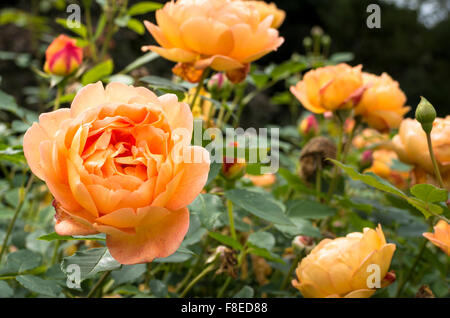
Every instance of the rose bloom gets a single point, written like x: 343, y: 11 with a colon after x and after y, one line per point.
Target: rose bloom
x: 266, y: 9
x: 382, y: 104
x: 223, y: 34
x: 441, y: 236
x: 330, y: 88
x: 264, y: 180
x: 411, y: 146
x: 112, y: 162
x: 369, y: 137
x: 383, y: 159
x: 339, y: 267
x: 63, y: 56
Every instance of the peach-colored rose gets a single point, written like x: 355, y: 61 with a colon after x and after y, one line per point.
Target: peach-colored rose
x: 411, y: 146
x: 441, y: 236
x: 112, y: 162
x: 63, y: 56
x: 383, y: 159
x: 265, y: 9
x: 340, y: 267
x: 370, y: 137
x: 382, y: 105
x: 330, y: 88
x: 222, y: 34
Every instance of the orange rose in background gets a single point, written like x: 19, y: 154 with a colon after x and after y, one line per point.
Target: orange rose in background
x: 411, y: 146
x: 383, y: 160
x: 330, y: 88
x: 382, y: 104
x: 441, y: 236
x: 265, y: 9
x: 111, y: 163
x: 223, y: 34
x: 63, y: 56
x: 340, y: 267
x: 370, y: 137
x: 264, y: 180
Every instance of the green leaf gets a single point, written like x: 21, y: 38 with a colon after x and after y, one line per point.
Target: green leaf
x: 262, y: 239
x: 180, y: 256
x: 295, y: 182
x: 214, y: 170
x: 161, y: 83
x: 245, y: 292
x: 136, y: 26
x: 35, y: 245
x: 54, y: 236
x: 143, y: 7
x: 128, y: 274
x: 158, y: 288
x: 259, y: 204
x: 21, y: 261
x: 81, y: 30
x: 98, y: 72
x: 39, y: 286
x: 12, y: 154
x: 226, y: 240
x: 208, y: 207
x: 342, y: 57
x: 308, y: 209
x: 5, y: 290
x: 91, y: 262
x: 429, y: 193
x: 8, y: 103
x: 122, y: 21
x: 300, y: 227
x: 142, y: 60
x: 369, y: 178
x: 265, y: 254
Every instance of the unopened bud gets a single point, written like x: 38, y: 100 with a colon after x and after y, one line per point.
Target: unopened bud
x: 309, y: 126
x: 366, y: 159
x: 307, y: 43
x: 302, y: 244
x: 326, y: 40
x: 425, y: 114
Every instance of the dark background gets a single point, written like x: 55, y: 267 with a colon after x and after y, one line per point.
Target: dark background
x: 415, y: 55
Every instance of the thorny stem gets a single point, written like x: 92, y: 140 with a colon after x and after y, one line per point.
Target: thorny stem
x: 196, y: 279
x: 289, y: 274
x: 200, y: 86
x: 231, y: 219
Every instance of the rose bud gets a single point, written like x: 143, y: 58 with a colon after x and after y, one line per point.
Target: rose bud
x: 302, y: 244
x: 308, y: 126
x: 219, y: 86
x: 63, y: 56
x: 343, y: 267
x: 425, y: 114
x: 366, y: 159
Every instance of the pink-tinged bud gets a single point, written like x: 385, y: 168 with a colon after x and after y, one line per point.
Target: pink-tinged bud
x: 63, y: 56
x: 216, y: 81
x: 328, y: 115
x: 349, y: 125
x: 366, y: 159
x: 388, y: 279
x: 219, y: 86
x: 302, y: 243
x: 309, y: 126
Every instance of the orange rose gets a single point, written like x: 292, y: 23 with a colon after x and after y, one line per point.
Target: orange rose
x: 369, y: 137
x: 63, y: 56
x: 382, y: 104
x: 112, y: 162
x: 341, y: 267
x: 441, y: 236
x: 381, y: 166
x: 330, y: 88
x: 222, y: 34
x: 265, y: 9
x: 411, y: 146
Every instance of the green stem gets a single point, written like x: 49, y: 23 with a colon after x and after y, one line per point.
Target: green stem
x: 224, y: 287
x: 23, y: 195
x: 231, y: 219
x: 413, y: 267
x: 338, y: 157
x: 196, y: 279
x: 319, y: 180
x: 289, y: 274
x: 433, y: 160
x: 90, y: 34
x: 200, y: 86
x: 58, y: 97
x: 55, y: 252
x: 98, y: 284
